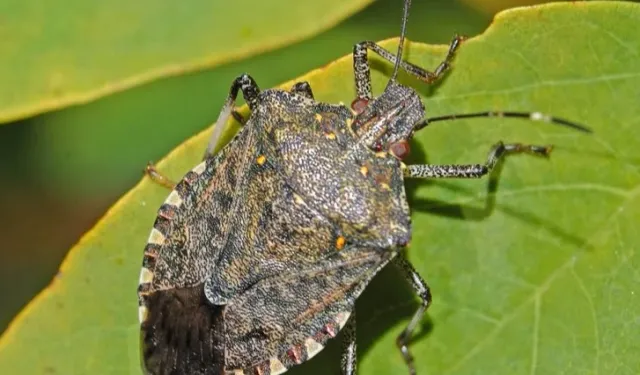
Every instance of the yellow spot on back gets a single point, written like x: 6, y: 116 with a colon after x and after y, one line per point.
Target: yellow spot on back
x: 349, y: 122
x: 340, y: 242
x: 261, y: 159
x: 364, y: 170
x: 330, y: 136
x: 318, y: 117
x: 381, y: 154
x: 385, y: 186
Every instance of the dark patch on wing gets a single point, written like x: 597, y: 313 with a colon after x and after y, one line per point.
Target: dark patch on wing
x: 223, y: 199
x: 167, y: 211
x: 163, y: 225
x: 150, y: 256
x: 231, y: 176
x: 213, y: 225
x: 183, y: 188
x: 266, y: 216
x: 183, y: 334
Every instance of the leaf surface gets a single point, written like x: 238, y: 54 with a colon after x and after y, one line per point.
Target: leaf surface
x: 55, y: 53
x: 538, y: 276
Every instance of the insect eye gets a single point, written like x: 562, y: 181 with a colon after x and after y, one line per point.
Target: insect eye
x: 359, y: 104
x: 400, y: 149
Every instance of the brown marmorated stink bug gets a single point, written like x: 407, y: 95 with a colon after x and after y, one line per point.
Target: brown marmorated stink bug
x: 257, y: 256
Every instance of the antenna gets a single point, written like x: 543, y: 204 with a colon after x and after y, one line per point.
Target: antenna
x: 532, y: 116
x: 403, y: 31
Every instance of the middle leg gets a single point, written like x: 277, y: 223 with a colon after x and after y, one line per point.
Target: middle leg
x: 497, y: 153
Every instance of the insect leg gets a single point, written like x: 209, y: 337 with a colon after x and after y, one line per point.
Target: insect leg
x: 158, y: 177
x: 497, y: 153
x: 363, y: 73
x: 422, y: 290
x: 303, y: 88
x: 349, y: 357
x: 250, y: 93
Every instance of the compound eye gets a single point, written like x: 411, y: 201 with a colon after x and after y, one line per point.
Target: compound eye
x: 400, y: 149
x: 359, y: 104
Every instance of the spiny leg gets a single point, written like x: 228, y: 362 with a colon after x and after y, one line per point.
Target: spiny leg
x: 363, y: 74
x: 250, y: 93
x: 349, y: 357
x: 497, y: 153
x: 422, y: 290
x: 158, y: 177
x: 303, y: 88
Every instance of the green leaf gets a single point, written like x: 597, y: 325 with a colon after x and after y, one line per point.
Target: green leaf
x: 55, y: 54
x: 86, y: 168
x: 544, y: 281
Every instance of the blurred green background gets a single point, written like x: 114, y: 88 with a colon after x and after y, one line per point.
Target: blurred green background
x: 61, y: 170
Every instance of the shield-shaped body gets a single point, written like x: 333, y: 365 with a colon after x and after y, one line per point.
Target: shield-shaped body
x: 258, y: 254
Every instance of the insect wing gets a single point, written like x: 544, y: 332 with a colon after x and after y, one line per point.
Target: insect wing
x: 286, y: 319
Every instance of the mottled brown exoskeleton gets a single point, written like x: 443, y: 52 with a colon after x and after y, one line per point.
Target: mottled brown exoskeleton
x: 257, y: 256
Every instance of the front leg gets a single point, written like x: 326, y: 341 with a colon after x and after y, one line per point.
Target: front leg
x: 363, y: 73
x: 250, y: 93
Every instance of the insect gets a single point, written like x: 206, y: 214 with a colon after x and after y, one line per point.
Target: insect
x: 258, y: 254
